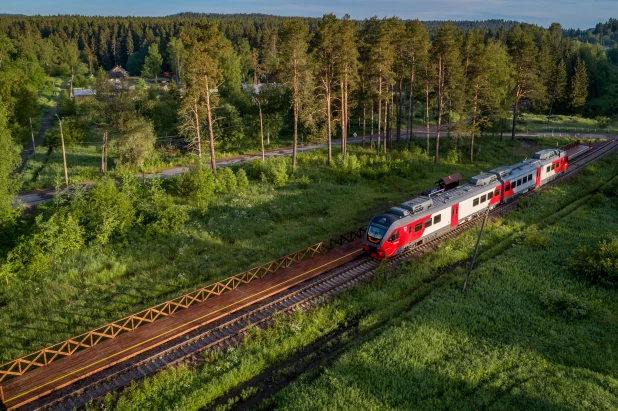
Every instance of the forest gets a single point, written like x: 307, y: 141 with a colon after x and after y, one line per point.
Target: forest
x: 291, y: 77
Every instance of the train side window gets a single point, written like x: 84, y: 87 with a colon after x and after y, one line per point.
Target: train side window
x: 529, y: 177
x: 475, y: 202
x: 418, y: 227
x: 428, y: 223
x: 507, y: 186
x: 548, y: 169
x: 483, y: 198
x: 437, y: 219
x: 497, y: 192
x: 553, y: 166
x: 394, y: 237
x: 490, y: 195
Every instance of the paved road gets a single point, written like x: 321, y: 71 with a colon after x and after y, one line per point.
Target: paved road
x: 36, y: 197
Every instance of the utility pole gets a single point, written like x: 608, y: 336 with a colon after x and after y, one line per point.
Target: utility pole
x: 104, y: 153
x: 64, y: 155
x: 32, y: 134
x: 261, y: 128
x: 476, y: 249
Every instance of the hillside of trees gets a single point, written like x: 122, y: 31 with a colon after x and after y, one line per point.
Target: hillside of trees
x: 605, y: 34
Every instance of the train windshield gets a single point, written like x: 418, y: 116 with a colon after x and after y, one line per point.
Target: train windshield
x: 376, y: 233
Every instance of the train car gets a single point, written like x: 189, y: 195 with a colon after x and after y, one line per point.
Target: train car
x: 425, y: 217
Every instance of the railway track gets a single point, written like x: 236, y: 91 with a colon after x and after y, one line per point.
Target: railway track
x: 227, y: 332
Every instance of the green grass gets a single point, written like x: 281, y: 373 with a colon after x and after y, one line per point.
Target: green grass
x: 497, y: 347
x: 100, y: 283
x: 46, y: 169
x: 560, y: 123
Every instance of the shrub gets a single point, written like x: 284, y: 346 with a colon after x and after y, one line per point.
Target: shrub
x: 304, y: 182
x: 136, y: 145
x: 273, y: 170
x: 241, y: 179
x: 453, y: 157
x: 106, y: 211
x: 226, y: 180
x: 197, y: 185
x: 51, y: 239
x: 535, y: 239
x: 157, y: 211
x: 598, y: 264
x: 556, y: 301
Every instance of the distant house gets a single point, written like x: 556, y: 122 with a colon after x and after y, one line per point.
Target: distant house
x: 118, y: 72
x: 82, y: 93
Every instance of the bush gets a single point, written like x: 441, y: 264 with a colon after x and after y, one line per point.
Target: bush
x: 535, y: 239
x: 136, y: 145
x: 226, y: 180
x: 241, y: 179
x: 106, y: 211
x: 599, y: 264
x: 273, y: 170
x: 197, y: 185
x: 157, y: 211
x: 51, y: 239
x: 556, y: 301
x: 453, y: 157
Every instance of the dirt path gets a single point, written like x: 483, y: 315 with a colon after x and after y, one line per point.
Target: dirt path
x: 46, y: 124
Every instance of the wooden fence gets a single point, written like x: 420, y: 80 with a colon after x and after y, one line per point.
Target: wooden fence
x: 91, y: 338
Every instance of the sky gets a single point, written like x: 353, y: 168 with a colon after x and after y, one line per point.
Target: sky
x: 581, y: 14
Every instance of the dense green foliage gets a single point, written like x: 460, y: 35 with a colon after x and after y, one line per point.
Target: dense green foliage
x: 527, y: 335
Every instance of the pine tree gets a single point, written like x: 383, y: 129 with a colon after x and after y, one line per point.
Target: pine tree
x: 527, y: 84
x: 294, y: 67
x: 416, y: 52
x: 579, y: 86
x: 347, y: 71
x: 445, y: 54
x: 205, y: 47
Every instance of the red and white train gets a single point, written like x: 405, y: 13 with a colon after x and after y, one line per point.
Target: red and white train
x: 424, y: 218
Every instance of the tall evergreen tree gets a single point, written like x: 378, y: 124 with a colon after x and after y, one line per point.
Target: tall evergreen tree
x: 579, y: 86
x: 445, y: 54
x: 346, y: 71
x: 527, y: 84
x: 416, y: 53
x: 205, y: 46
x: 324, y: 59
x: 293, y: 67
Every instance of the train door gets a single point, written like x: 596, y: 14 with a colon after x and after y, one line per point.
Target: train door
x: 538, y: 176
x: 454, y: 215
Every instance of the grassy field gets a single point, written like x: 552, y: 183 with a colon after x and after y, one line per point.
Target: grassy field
x: 418, y: 343
x: 100, y: 283
x: 559, y: 123
x: 506, y: 344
